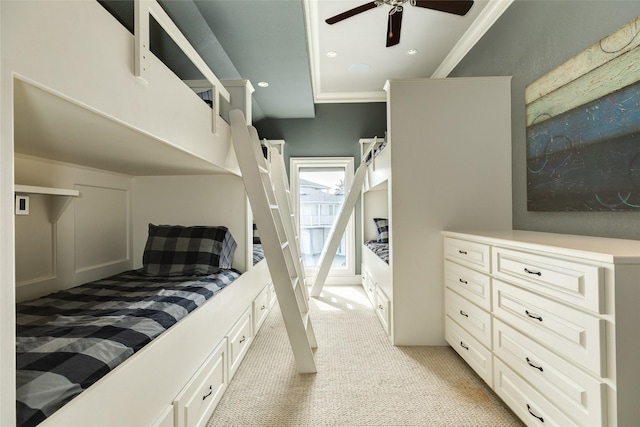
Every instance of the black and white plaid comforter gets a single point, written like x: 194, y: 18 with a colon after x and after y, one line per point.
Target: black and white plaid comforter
x: 68, y: 340
x: 380, y: 249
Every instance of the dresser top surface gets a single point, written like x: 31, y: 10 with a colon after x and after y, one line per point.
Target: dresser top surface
x: 620, y: 251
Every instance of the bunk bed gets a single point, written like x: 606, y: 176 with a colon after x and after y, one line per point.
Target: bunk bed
x: 375, y: 269
x: 82, y: 115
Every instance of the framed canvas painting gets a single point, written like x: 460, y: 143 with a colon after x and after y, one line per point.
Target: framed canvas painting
x: 583, y: 129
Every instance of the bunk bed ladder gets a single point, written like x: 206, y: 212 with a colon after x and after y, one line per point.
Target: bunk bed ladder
x: 279, y: 251
x: 337, y: 231
x: 283, y: 198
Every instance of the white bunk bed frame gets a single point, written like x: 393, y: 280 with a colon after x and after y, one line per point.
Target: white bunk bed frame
x: 63, y: 59
x: 376, y: 274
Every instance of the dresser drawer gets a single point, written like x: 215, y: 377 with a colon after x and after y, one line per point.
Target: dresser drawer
x: 383, y: 310
x: 197, y: 400
x: 474, y: 286
x: 525, y: 401
x: 581, y: 396
x: 470, y: 349
x: 572, y: 333
x: 568, y: 281
x: 239, y: 339
x: 470, y: 254
x: 472, y: 318
x: 260, y: 309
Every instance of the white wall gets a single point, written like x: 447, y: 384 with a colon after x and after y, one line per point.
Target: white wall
x: 90, y: 240
x: 190, y: 200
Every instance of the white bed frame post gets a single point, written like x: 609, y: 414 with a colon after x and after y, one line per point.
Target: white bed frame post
x: 142, y: 10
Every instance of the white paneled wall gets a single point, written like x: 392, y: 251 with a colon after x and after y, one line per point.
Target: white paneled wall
x: 90, y: 240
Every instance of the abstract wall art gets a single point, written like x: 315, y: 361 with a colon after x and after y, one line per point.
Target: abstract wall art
x: 583, y: 129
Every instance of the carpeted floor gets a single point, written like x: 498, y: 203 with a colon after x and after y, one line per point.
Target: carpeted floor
x: 362, y: 379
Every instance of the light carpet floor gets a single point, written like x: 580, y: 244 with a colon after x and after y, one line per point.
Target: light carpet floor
x: 362, y: 379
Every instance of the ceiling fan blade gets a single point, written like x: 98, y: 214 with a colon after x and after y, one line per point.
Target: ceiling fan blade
x: 351, y: 12
x: 393, y: 26
x: 458, y: 7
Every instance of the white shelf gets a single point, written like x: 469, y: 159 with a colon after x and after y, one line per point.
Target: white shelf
x: 31, y: 189
x: 58, y: 204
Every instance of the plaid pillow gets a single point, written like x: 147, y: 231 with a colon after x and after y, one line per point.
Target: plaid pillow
x: 256, y: 236
x: 174, y: 250
x: 382, y: 229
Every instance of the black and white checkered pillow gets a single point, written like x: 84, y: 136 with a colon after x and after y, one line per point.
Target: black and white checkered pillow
x: 256, y: 235
x: 382, y: 229
x: 174, y: 250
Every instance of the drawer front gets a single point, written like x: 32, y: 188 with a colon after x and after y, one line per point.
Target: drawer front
x: 580, y: 395
x: 260, y: 309
x: 566, y: 281
x: 197, y: 400
x: 474, y: 353
x: 239, y: 341
x: 474, y: 286
x: 368, y: 285
x: 469, y: 254
x: 572, y: 333
x: 473, y: 319
x: 383, y: 310
x: 525, y: 401
x: 272, y: 295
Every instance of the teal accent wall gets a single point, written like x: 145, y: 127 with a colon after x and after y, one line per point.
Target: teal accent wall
x: 530, y: 39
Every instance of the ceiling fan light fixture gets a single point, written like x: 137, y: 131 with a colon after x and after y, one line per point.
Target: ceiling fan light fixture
x: 332, y: 54
x: 263, y: 84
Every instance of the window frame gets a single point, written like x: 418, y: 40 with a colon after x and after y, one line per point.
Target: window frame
x: 297, y: 163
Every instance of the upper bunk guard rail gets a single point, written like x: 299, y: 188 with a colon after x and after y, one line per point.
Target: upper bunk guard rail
x: 340, y: 225
x: 270, y: 218
x: 142, y: 10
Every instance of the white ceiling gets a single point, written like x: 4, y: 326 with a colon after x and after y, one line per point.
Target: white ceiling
x: 284, y: 43
x: 362, y: 64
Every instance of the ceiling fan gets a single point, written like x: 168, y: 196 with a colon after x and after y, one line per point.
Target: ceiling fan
x: 457, y: 7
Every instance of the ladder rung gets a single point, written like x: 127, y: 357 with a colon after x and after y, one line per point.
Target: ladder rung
x: 284, y: 244
x: 274, y: 207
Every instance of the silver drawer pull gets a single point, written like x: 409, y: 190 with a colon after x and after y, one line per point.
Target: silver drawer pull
x: 537, y: 273
x: 462, y: 313
x: 208, y: 394
x: 463, y: 281
x: 532, y: 413
x: 462, y: 252
x: 534, y: 366
x: 464, y: 346
x: 243, y: 339
x: 533, y: 315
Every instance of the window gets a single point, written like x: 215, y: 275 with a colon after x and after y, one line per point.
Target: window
x: 318, y: 187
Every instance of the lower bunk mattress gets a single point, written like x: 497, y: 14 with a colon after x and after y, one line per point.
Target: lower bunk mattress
x: 68, y: 340
x: 380, y: 249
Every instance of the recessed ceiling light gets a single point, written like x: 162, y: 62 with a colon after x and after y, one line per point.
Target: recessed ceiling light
x: 263, y: 84
x: 359, y: 68
x: 412, y: 52
x: 332, y: 54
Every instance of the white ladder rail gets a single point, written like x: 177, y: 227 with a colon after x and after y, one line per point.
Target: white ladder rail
x: 277, y: 249
x: 337, y: 231
x: 283, y: 197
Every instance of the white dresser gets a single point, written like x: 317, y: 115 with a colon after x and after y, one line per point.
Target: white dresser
x: 551, y: 322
